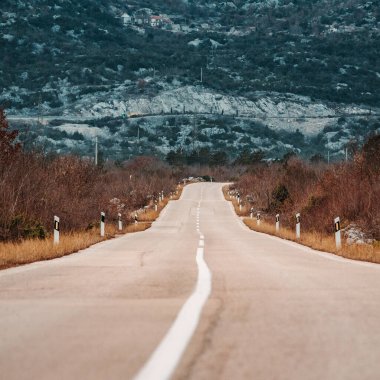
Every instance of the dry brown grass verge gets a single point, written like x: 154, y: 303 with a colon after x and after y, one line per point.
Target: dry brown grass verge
x: 320, y: 242
x: 150, y: 215
x: 241, y: 210
x: 29, y: 251
x: 139, y: 227
x: 315, y: 240
x: 178, y: 193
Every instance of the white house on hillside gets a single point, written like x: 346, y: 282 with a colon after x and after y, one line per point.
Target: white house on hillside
x: 127, y: 19
x: 155, y: 21
x: 160, y: 21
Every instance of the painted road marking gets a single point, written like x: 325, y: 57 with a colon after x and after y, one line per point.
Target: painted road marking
x: 201, y: 243
x: 164, y: 360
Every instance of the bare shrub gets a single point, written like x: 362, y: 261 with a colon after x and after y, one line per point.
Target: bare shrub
x: 35, y: 187
x: 320, y: 192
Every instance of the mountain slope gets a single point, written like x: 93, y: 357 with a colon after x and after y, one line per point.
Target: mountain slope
x: 78, y: 60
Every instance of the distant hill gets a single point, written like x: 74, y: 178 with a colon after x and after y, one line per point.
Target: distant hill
x: 64, y: 58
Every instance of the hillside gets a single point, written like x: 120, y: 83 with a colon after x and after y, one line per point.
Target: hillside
x: 263, y: 59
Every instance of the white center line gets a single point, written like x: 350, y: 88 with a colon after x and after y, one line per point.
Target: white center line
x: 164, y: 360
x: 166, y: 357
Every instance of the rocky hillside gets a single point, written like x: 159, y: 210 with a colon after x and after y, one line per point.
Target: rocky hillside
x: 291, y: 65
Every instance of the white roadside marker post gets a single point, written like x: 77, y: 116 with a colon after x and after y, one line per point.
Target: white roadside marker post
x: 56, y: 230
x: 102, y: 224
x: 120, y: 222
x: 258, y: 219
x: 240, y: 207
x: 155, y: 205
x: 251, y: 212
x: 338, y: 238
x: 277, y: 222
x: 136, y: 218
x: 298, y: 226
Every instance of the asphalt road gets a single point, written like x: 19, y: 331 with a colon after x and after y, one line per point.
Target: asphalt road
x: 198, y: 296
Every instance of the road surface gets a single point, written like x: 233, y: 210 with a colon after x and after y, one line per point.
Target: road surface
x: 198, y: 296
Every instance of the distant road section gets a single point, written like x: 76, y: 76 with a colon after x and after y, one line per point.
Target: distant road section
x: 260, y: 307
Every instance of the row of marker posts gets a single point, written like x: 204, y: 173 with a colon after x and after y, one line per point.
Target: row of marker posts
x: 102, y: 225
x: 160, y: 199
x: 102, y: 221
x: 337, y: 227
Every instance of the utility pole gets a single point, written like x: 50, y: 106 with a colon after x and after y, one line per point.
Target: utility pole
x: 346, y: 154
x: 195, y: 132
x: 39, y: 109
x: 201, y: 74
x: 96, y: 151
x: 328, y: 157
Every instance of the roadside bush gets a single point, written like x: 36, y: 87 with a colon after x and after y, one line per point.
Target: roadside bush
x: 36, y: 186
x: 321, y: 192
x: 280, y: 194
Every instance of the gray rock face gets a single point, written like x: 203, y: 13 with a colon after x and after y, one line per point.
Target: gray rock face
x: 354, y: 235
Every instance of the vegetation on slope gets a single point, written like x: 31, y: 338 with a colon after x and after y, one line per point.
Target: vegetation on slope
x: 319, y: 192
x: 36, y: 186
x: 326, y: 49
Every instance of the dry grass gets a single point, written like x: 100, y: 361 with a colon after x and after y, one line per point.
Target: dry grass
x: 241, y: 210
x: 150, y: 215
x: 315, y: 240
x: 178, y: 193
x: 320, y: 242
x: 139, y: 227
x: 29, y: 251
